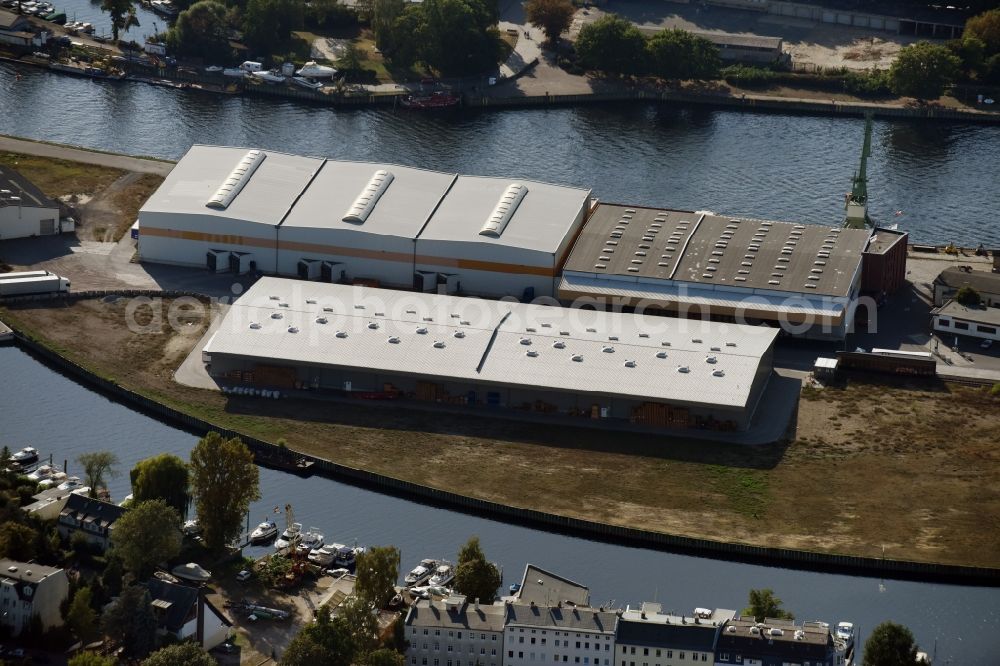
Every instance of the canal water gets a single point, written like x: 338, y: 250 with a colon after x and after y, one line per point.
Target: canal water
x: 42, y: 408
x: 940, y: 177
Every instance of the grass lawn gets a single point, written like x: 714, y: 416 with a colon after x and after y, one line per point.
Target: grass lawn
x: 913, y: 468
x: 129, y: 200
x: 57, y: 177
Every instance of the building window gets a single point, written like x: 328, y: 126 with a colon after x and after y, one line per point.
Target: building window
x: 657, y: 653
x: 631, y: 649
x: 532, y: 640
x: 482, y: 637
x: 437, y: 646
x: 670, y: 654
x: 986, y: 329
x: 460, y: 635
x: 704, y: 657
x: 723, y: 656
x: 543, y: 641
x: 520, y: 655
x: 493, y: 652
x: 510, y: 654
x: 494, y: 636
x: 739, y: 659
x: 645, y: 652
x: 681, y: 655
x: 961, y: 325
x: 520, y: 639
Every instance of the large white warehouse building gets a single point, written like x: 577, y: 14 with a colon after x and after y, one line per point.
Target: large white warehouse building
x: 241, y: 210
x: 625, y: 368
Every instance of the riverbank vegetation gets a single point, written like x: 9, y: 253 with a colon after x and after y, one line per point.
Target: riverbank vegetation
x: 903, y: 466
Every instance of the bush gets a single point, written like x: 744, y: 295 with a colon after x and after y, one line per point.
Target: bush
x: 968, y: 296
x: 748, y: 77
x: 872, y: 84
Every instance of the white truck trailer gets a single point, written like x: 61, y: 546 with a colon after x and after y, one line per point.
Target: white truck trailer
x: 32, y: 282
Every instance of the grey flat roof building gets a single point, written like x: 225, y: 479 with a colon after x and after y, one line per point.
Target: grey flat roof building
x: 544, y: 588
x: 456, y: 613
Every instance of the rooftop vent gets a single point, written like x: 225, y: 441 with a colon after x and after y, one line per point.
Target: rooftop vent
x: 578, y: 358
x: 293, y: 329
x: 711, y: 359
x: 438, y: 344
x: 274, y: 298
x: 365, y: 203
x: 715, y: 348
x: 463, y: 322
x: 730, y: 344
x: 661, y: 354
x: 393, y: 340
x: 559, y: 344
x: 311, y: 301
x: 373, y: 325
x: 531, y: 353
x: 526, y: 341
x: 237, y: 180
x: 321, y: 320
x: 421, y: 330
x: 459, y: 334
x: 254, y: 325
x: 276, y: 315
x: 341, y: 334
x: 629, y: 363
x: 504, y: 210
x: 683, y: 369
x: 664, y: 344
x: 644, y: 335
x: 359, y: 307
x: 327, y: 309
x: 608, y: 349
x: 718, y: 373
x: 696, y: 341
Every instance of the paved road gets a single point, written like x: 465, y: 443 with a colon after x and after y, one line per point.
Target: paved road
x: 63, y: 152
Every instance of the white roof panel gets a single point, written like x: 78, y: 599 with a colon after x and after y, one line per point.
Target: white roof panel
x: 401, y: 210
x: 541, y: 220
x: 264, y: 199
x: 495, y: 342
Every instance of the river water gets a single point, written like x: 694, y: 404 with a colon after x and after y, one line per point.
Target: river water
x: 942, y: 176
x: 44, y: 409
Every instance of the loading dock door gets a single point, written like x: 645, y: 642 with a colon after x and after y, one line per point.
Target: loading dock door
x: 210, y: 260
x: 330, y: 271
x: 426, y: 281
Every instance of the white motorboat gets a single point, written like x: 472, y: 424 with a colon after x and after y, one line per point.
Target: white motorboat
x: 191, y: 571
x: 420, y: 573
x: 25, y: 456
x: 346, y: 557
x: 41, y: 473
x: 443, y: 575
x: 272, y: 76
x: 266, y: 531
x: 54, y: 479
x: 845, y: 632
x: 214, y: 69
x: 291, y: 536
x: 311, y: 540
x: 306, y: 83
x: 323, y: 555
x: 72, y: 483
x: 313, y: 70
x: 234, y: 72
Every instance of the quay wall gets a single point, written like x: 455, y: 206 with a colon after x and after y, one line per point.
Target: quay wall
x: 761, y: 555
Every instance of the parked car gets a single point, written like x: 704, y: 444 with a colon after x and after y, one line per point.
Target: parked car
x: 986, y: 344
x: 243, y: 576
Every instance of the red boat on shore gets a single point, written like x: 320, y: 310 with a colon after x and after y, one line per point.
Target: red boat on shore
x: 437, y: 100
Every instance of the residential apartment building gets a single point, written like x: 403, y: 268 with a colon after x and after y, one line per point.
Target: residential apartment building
x: 28, y: 589
x: 454, y: 632
x: 649, y: 637
x: 775, y: 643
x: 561, y: 633
x: 91, y: 517
x: 185, y: 614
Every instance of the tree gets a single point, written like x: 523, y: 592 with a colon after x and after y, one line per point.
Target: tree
x: 122, y: 13
x: 96, y: 465
x: 224, y: 480
x: 90, y: 659
x: 131, y: 622
x: 201, y: 31
x: 986, y: 28
x: 357, y: 616
x: 553, y: 17
x: 403, y: 48
x: 890, y: 644
x: 17, y: 541
x: 187, y: 653
x: 162, y: 477
x: 384, y: 15
x: 377, y: 572
x: 382, y: 657
x: 81, y: 618
x: 966, y: 295
x: 613, y: 45
x: 350, y: 61
x: 459, y: 37
x: 923, y: 70
x: 971, y: 51
x: 148, y: 533
x: 112, y: 577
x: 475, y: 577
x: 326, y: 641
x: 677, y: 54
x: 268, y: 24
x: 763, y: 604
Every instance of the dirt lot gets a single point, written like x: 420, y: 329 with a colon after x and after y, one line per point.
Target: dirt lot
x: 105, y: 201
x: 913, y: 469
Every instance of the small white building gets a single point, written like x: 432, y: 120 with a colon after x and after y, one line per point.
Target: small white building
x: 454, y: 632
x: 28, y: 589
x: 976, y: 322
x: 24, y: 210
x: 184, y: 613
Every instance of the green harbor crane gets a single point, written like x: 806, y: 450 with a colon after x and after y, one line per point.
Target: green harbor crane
x: 856, y: 204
